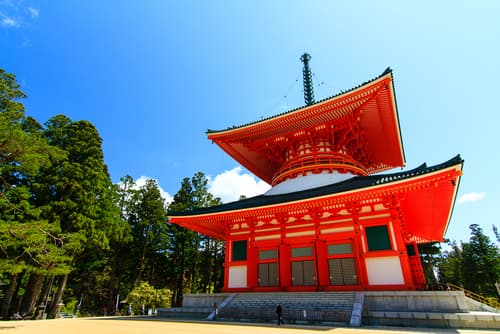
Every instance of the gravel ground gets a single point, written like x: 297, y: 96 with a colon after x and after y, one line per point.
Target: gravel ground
x: 161, y: 326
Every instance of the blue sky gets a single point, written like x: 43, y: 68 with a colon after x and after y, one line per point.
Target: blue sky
x: 153, y: 76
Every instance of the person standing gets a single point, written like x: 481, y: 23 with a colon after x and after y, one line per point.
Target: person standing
x: 279, y: 313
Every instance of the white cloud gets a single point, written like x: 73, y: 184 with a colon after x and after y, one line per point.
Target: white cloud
x: 231, y: 184
x: 141, y: 181
x: 14, y: 15
x: 8, y: 22
x: 33, y: 12
x: 471, y: 197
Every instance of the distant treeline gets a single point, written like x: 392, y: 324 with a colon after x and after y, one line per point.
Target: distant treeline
x: 68, y: 234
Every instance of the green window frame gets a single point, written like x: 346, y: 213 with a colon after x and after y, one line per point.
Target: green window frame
x: 340, y: 249
x: 378, y: 238
x: 302, y: 252
x: 268, y: 254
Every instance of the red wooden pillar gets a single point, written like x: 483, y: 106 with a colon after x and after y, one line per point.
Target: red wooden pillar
x: 229, y: 246
x: 403, y: 256
x: 360, y: 244
x: 252, y: 279
x: 284, y: 266
x: 252, y: 259
x: 322, y: 264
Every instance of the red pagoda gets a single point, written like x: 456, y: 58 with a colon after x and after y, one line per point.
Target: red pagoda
x: 330, y: 221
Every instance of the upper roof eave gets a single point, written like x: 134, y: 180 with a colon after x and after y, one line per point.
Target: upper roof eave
x: 387, y: 72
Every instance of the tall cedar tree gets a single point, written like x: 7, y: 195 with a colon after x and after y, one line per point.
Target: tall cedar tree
x: 474, y: 265
x: 76, y: 195
x: 136, y: 258
x: 27, y: 243
x: 147, y: 217
x: 186, y: 253
x: 121, y: 263
x: 481, y: 263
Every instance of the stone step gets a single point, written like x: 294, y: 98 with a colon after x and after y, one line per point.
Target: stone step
x: 197, y: 313
x: 308, y: 307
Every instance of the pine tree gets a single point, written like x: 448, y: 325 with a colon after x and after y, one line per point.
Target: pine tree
x: 474, y: 265
x: 147, y: 218
x: 76, y: 195
x: 481, y: 263
x: 26, y: 240
x: 191, y: 251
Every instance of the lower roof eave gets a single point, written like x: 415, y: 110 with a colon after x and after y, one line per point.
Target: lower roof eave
x: 209, y: 221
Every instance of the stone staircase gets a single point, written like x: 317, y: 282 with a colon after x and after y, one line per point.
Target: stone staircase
x: 442, y: 309
x: 298, y: 307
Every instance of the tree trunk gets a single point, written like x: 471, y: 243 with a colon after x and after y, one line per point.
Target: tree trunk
x: 44, y: 295
x: 58, y: 297
x: 32, y: 292
x: 208, y: 277
x: 8, y: 297
x: 180, y: 280
x: 113, y: 287
x: 142, y: 263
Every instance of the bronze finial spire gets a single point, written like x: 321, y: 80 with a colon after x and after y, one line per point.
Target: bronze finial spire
x: 308, y: 84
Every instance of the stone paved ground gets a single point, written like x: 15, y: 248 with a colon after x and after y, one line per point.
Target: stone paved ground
x: 157, y: 326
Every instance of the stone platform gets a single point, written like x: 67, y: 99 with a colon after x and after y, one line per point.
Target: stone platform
x: 438, y: 309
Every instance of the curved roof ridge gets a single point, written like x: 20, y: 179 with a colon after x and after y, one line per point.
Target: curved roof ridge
x: 387, y: 71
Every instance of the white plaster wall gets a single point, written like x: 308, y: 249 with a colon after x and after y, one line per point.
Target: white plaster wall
x: 308, y: 181
x: 237, y: 277
x: 384, y: 270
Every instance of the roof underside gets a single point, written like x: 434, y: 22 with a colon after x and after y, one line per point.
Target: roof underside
x: 372, y: 106
x: 428, y: 196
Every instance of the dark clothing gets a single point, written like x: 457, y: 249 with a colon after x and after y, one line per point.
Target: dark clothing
x: 279, y: 313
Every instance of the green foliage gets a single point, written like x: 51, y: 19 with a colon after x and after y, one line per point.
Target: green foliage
x: 450, y: 265
x: 77, y: 190
x: 146, y: 295
x: 429, y: 255
x: 10, y: 93
x: 27, y: 241
x: 474, y: 265
x: 147, y: 216
x: 481, y: 263
x: 497, y: 235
